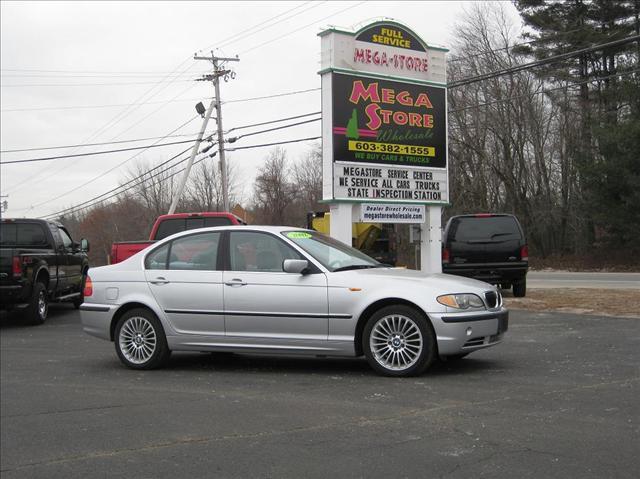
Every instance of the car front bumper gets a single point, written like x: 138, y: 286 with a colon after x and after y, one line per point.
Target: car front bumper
x: 460, y: 333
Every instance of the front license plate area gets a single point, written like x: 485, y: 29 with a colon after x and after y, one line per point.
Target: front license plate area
x: 503, y: 324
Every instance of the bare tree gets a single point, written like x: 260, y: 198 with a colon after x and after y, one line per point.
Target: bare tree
x: 273, y: 193
x: 153, y: 188
x: 307, y: 178
x: 204, y: 189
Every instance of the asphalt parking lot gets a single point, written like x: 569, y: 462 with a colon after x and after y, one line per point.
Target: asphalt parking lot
x: 559, y: 398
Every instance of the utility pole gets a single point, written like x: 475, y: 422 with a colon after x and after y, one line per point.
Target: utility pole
x: 194, y: 152
x: 4, y: 205
x: 218, y: 72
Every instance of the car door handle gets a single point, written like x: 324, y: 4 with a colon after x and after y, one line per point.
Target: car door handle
x: 159, y: 280
x: 235, y: 282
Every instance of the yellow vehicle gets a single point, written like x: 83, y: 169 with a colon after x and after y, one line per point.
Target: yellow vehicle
x: 374, y: 239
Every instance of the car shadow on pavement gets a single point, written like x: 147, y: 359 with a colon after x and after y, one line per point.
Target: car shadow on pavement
x: 15, y: 319
x: 238, y: 363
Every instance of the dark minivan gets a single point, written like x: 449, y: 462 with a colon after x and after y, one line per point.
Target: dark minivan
x: 489, y: 247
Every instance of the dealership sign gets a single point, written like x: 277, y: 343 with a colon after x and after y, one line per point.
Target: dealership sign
x: 393, y: 213
x: 384, y: 118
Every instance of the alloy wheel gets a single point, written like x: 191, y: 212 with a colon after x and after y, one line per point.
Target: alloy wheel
x: 137, y: 340
x: 396, y: 342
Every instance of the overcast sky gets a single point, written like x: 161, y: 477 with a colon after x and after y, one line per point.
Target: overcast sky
x: 70, y: 70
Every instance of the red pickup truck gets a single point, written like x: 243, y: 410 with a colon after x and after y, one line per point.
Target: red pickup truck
x: 166, y: 225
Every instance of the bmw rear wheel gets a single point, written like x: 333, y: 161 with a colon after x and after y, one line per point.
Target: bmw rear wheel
x: 399, y: 341
x: 140, y: 341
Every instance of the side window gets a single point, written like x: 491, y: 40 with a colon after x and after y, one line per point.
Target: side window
x: 66, y: 240
x: 157, y: 259
x: 195, y: 252
x: 252, y: 251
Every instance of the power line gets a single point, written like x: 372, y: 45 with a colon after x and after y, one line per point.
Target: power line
x: 85, y: 71
x: 75, y: 209
x: 88, y: 75
x: 544, y: 61
x: 93, y: 107
x: 126, y: 111
x: 511, y: 47
x: 276, y: 95
x: 273, y: 121
x: 107, y: 171
x: 79, y: 107
x: 242, y: 37
x: 231, y: 140
x: 93, y: 153
x: 41, y: 85
x: 133, y: 140
x: 272, y: 144
x: 95, y: 144
x: 547, y: 90
x: 92, y: 200
x: 185, y: 159
x: 262, y: 44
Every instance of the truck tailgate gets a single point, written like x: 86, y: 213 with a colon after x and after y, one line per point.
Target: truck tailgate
x: 125, y: 249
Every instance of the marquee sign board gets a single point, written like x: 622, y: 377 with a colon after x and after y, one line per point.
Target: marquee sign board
x: 384, y: 120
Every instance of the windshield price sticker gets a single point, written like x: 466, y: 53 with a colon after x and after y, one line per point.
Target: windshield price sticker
x: 299, y: 235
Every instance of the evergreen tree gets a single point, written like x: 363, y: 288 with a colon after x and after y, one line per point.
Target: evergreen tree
x: 606, y: 102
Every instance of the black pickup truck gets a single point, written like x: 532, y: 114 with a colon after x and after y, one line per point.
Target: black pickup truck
x: 39, y: 262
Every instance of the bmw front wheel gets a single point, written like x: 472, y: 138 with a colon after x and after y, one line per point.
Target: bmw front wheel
x: 399, y: 341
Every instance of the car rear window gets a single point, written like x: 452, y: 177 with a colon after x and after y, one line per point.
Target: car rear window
x: 22, y: 234
x: 484, y: 228
x: 177, y: 225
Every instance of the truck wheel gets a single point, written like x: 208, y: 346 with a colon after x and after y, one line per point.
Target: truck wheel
x: 140, y: 340
x: 39, y: 305
x: 399, y: 341
x: 520, y: 288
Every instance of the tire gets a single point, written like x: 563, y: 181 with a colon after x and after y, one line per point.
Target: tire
x: 38, y: 308
x: 80, y: 299
x: 505, y: 286
x: 140, y: 340
x: 399, y: 341
x: 520, y: 288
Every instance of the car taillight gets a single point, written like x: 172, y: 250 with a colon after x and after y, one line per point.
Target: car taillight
x: 524, y: 253
x: 445, y: 255
x: 16, y: 267
x: 88, y: 288
x: 483, y: 215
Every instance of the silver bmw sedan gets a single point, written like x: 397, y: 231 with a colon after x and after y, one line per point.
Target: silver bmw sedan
x: 283, y: 290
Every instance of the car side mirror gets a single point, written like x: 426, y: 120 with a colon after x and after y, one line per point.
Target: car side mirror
x: 296, y: 266
x: 84, y: 245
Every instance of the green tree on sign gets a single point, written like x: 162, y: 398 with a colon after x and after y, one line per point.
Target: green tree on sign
x: 352, y: 126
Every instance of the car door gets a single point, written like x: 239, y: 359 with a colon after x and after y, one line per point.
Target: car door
x: 73, y: 258
x: 185, y: 280
x: 262, y: 301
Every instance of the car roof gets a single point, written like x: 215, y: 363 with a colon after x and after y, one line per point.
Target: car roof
x: 265, y: 228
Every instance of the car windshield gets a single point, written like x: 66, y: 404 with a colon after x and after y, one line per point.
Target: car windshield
x: 331, y: 253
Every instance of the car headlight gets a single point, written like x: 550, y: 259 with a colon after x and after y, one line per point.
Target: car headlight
x: 466, y: 301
